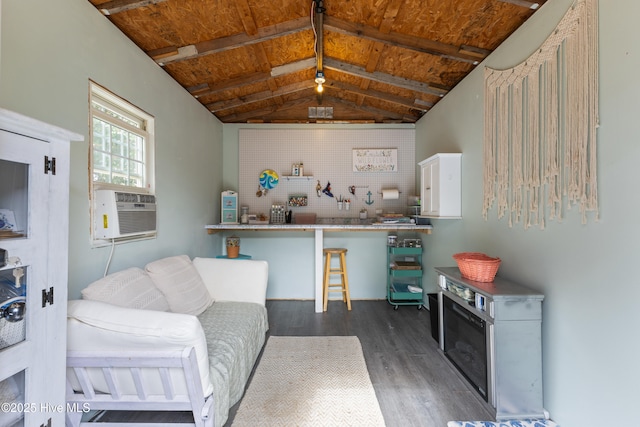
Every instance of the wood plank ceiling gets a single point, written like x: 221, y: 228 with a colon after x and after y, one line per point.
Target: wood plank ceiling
x: 384, y: 61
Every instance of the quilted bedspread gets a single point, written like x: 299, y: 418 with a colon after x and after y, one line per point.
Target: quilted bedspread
x: 235, y: 333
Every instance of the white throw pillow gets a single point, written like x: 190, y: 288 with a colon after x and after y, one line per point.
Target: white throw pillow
x: 131, y: 288
x: 181, y: 284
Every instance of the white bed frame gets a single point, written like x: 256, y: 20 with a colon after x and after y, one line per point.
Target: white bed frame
x: 133, y: 362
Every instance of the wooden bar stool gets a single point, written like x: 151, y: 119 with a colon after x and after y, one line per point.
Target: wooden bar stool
x: 343, y: 286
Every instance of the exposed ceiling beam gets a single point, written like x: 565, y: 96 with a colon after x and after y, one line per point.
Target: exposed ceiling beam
x: 260, y: 96
x: 171, y: 54
x: 206, y: 89
x: 405, y: 41
x: 319, y: 24
x: 384, y: 78
x: 383, y: 96
x: 381, y: 114
x: 525, y: 3
x: 241, y: 117
x: 293, y: 67
x: 117, y: 6
x: 227, y: 104
x: 372, y: 110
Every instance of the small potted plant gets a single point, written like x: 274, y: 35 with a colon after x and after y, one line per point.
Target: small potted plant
x: 233, y: 247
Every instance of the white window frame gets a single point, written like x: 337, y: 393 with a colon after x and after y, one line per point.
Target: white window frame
x: 127, y: 109
x: 136, y: 113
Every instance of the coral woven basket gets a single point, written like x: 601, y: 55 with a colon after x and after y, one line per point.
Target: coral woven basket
x: 477, y: 266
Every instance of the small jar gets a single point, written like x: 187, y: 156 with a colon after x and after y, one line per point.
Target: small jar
x: 244, y: 218
x: 300, y: 169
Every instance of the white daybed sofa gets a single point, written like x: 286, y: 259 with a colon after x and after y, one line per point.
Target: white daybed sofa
x: 177, y: 336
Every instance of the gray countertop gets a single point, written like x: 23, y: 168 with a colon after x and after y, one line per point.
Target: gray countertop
x: 327, y: 224
x: 499, y: 288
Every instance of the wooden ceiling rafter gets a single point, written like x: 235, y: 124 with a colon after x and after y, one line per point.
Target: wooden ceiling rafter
x: 319, y: 33
x: 383, y: 96
x: 382, y: 115
x: 387, y: 79
x: 376, y: 111
x: 205, y: 89
x: 117, y: 6
x: 276, y: 93
x: 471, y: 55
x: 294, y: 67
x: 526, y: 3
x: 464, y: 53
x: 227, y: 104
x: 168, y: 55
x: 242, y: 117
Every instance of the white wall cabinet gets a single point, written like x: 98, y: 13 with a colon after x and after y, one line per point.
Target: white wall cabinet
x: 440, y: 186
x: 34, y: 228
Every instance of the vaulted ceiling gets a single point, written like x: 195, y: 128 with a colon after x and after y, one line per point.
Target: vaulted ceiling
x: 384, y: 61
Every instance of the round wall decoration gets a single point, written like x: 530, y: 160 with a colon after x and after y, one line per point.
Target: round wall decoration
x: 269, y: 179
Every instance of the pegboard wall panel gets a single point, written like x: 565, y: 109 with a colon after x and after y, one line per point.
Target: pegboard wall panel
x: 327, y: 158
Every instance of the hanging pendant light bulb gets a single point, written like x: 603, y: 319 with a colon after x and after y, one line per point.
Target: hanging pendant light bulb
x: 319, y: 81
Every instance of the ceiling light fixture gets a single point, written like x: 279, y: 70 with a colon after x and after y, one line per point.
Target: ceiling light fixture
x: 317, y: 11
x: 320, y: 81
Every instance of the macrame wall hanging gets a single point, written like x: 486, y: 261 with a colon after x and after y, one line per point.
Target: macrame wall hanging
x: 540, y: 126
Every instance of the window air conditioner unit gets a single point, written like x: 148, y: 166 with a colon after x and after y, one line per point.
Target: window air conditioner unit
x: 120, y: 214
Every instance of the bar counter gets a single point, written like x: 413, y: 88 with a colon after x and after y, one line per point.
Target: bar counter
x: 322, y: 225
x: 327, y: 224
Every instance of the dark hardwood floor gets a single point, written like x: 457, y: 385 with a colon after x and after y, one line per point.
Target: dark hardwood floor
x: 414, y: 384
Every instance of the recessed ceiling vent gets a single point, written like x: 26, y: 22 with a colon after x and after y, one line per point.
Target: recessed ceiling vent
x: 321, y: 112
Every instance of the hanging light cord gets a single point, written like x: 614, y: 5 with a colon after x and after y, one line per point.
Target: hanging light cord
x: 315, y: 32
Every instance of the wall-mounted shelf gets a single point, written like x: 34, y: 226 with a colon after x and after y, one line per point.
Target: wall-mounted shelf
x: 298, y: 178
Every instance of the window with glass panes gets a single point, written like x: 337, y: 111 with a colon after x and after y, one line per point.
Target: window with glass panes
x: 121, y: 142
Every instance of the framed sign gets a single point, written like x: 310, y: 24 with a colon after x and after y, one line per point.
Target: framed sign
x: 375, y: 160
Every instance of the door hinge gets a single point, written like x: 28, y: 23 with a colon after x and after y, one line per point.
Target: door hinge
x: 47, y: 297
x: 49, y: 165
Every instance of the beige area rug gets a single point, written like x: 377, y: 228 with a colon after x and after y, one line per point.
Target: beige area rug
x: 310, y: 381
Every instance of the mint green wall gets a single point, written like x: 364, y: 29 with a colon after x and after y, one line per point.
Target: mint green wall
x: 49, y: 51
x: 587, y: 272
